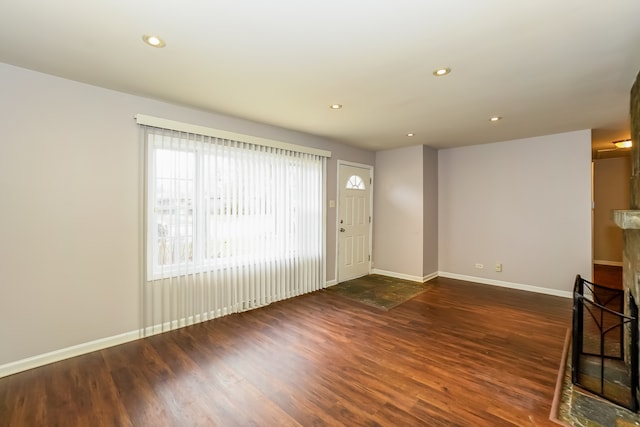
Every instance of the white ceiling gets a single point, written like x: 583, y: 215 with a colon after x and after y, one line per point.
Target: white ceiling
x: 546, y: 66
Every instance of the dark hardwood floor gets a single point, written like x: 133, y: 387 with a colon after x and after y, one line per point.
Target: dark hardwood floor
x: 606, y: 275
x: 460, y: 354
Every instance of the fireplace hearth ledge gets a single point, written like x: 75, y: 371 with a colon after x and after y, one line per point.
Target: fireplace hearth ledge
x: 629, y: 222
x: 627, y: 219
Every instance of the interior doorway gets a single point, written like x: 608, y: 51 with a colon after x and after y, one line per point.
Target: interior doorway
x: 611, y: 181
x: 354, y: 220
x: 610, y: 186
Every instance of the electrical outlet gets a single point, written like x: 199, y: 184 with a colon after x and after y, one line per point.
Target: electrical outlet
x: 499, y: 268
x: 479, y: 266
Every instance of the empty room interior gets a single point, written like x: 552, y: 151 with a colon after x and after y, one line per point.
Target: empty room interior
x: 184, y: 188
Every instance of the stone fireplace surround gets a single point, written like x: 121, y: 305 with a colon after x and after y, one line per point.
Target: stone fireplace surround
x: 629, y: 220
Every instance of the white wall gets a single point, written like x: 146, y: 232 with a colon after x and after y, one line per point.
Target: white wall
x: 402, y: 190
x: 70, y: 231
x: 523, y: 203
x: 611, y: 190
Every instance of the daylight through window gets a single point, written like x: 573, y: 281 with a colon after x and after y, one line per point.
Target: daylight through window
x: 355, y: 183
x: 217, y: 204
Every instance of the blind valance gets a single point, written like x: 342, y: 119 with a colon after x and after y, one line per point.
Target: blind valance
x: 158, y: 122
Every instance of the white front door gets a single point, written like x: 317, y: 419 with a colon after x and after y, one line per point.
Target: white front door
x: 354, y: 221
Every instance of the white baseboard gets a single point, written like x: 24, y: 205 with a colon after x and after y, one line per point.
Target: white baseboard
x: 430, y: 276
x: 609, y: 263
x: 405, y: 276
x: 66, y: 353
x: 331, y: 282
x: 511, y: 285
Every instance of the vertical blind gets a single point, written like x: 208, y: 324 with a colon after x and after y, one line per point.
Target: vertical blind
x: 230, y: 226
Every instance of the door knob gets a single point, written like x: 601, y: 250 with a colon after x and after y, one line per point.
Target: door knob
x: 342, y: 230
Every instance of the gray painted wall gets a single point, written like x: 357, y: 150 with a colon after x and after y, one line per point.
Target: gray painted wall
x: 430, y: 211
x: 405, y: 231
x: 524, y: 203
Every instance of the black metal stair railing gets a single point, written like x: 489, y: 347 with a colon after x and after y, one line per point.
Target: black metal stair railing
x: 600, y: 362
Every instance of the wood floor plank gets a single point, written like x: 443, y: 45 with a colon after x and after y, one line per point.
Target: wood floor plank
x: 460, y: 354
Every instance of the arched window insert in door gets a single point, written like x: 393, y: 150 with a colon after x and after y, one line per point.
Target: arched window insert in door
x: 355, y: 183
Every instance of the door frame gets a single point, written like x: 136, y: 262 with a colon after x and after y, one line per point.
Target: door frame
x: 337, y: 220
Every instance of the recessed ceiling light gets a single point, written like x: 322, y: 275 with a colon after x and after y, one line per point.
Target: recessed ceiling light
x: 153, y: 41
x: 410, y: 134
x: 441, y: 72
x: 335, y: 106
x: 495, y: 118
